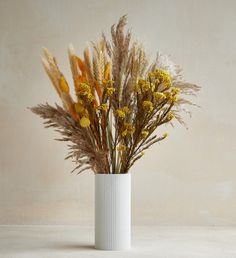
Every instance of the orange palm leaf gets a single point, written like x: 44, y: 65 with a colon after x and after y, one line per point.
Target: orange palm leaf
x: 82, y: 67
x: 107, y: 71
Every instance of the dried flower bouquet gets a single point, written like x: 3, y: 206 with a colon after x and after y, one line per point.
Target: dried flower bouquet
x: 121, y: 99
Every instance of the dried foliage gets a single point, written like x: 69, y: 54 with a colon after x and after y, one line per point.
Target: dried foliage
x: 120, y: 101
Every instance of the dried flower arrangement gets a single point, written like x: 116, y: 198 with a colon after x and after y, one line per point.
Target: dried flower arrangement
x: 120, y: 101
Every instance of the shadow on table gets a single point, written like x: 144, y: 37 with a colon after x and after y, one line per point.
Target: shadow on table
x: 70, y: 246
x: 33, y: 239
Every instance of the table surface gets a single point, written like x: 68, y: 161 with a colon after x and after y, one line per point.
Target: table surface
x: 75, y: 241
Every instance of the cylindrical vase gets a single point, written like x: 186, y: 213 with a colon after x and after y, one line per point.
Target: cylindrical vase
x: 112, y: 211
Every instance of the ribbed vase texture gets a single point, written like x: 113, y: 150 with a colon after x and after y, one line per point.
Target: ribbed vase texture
x: 112, y: 211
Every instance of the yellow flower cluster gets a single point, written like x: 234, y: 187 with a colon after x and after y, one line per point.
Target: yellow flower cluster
x: 128, y: 129
x: 175, y: 90
x: 173, y: 98
x: 137, y: 89
x: 103, y: 107
x: 80, y: 109
x: 172, y: 95
x: 148, y: 105
x: 107, y: 83
x: 156, y: 78
x: 144, y: 133
x: 161, y: 76
x: 84, y: 89
x: 125, y: 109
x: 144, y: 85
x: 121, y: 112
x: 121, y: 147
x: 170, y: 116
x: 108, y: 86
x: 84, y: 121
x: 167, y: 94
x: 110, y: 91
x: 158, y: 96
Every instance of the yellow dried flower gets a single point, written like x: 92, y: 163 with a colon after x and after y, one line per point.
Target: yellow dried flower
x: 84, y: 121
x: 153, y: 86
x: 137, y: 89
x: 144, y: 133
x: 89, y: 97
x: 174, y: 94
x: 128, y: 129
x: 107, y: 83
x: 125, y: 109
x: 167, y: 94
x: 167, y: 84
x: 164, y: 77
x: 170, y: 116
x: 159, y: 96
x: 175, y: 90
x: 120, y: 113
x: 121, y: 147
x: 147, y: 105
x: 110, y: 91
x: 84, y: 88
x: 124, y: 133
x: 103, y: 107
x: 165, y: 135
x: 144, y: 85
x: 161, y: 76
x: 173, y: 98
x: 151, y: 75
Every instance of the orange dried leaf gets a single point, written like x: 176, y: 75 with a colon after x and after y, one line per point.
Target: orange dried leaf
x: 73, y: 113
x: 82, y: 66
x: 79, y: 108
x: 107, y: 71
x: 79, y: 80
x: 95, y: 103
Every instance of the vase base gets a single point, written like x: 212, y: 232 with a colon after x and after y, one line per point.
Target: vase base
x: 113, y: 249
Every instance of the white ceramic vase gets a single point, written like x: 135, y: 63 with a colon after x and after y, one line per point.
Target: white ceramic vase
x: 112, y: 211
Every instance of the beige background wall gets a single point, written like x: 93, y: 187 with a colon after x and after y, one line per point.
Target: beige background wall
x: 189, y: 179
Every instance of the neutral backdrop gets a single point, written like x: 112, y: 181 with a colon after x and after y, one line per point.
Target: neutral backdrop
x: 189, y: 179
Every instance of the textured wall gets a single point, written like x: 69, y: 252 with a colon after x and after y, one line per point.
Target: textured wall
x: 189, y: 179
